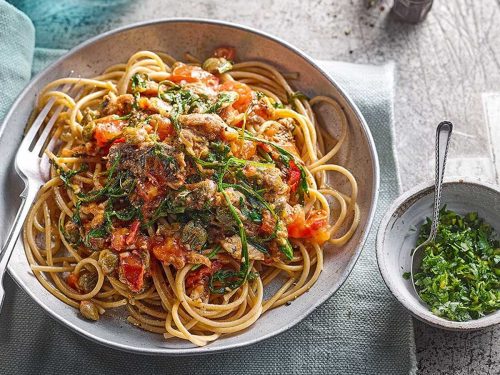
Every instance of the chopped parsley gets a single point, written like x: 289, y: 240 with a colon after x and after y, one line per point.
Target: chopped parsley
x: 459, y: 276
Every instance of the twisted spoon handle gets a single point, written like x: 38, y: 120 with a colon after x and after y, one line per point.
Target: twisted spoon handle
x: 443, y: 134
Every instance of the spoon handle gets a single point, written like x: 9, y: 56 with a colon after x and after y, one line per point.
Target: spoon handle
x: 443, y: 134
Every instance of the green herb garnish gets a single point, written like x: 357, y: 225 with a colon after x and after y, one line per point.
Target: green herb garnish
x: 460, y: 272
x: 224, y: 99
x: 67, y: 175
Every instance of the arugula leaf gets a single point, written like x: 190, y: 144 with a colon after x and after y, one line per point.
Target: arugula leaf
x: 67, y: 175
x: 225, y: 98
x: 287, y: 249
x: 138, y: 82
x: 297, y: 95
x: 211, y: 255
x: 182, y: 101
x: 286, y: 156
x: 237, y: 279
x: 166, y: 207
x: 258, y: 246
x: 102, y: 231
x: 119, y: 185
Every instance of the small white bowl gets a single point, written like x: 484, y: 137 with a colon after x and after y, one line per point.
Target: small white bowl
x: 397, y: 236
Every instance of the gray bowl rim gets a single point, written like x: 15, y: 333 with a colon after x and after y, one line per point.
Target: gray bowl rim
x: 414, y: 195
x: 343, y: 277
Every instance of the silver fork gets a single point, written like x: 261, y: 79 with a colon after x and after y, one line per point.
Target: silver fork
x: 28, y: 166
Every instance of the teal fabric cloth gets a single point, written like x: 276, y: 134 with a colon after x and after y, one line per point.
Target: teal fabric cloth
x: 360, y: 330
x: 17, y: 40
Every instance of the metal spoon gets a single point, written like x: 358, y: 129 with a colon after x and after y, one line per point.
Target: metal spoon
x: 443, y: 134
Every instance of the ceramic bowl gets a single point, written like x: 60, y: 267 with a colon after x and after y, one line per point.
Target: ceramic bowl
x: 397, y: 236
x: 199, y: 37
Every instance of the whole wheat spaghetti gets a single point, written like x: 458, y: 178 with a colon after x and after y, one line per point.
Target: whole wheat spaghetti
x: 180, y: 191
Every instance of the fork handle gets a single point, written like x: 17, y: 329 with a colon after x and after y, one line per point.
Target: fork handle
x: 28, y: 197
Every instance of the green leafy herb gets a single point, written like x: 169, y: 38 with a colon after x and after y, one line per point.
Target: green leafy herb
x: 224, y: 280
x: 460, y: 272
x: 138, y: 84
x: 237, y: 278
x: 67, y: 175
x: 103, y: 230
x: 219, y: 152
x: 76, y: 214
x: 252, y: 213
x: 212, y: 254
x: 117, y: 185
x: 287, y: 249
x: 258, y: 246
x: 182, y: 101
x: 297, y: 95
x: 224, y: 99
x: 166, y: 207
x: 286, y: 157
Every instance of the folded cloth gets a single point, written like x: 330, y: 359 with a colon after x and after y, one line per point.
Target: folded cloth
x: 17, y: 38
x: 361, y: 329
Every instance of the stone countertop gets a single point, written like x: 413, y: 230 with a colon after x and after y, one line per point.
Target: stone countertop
x: 445, y: 66
x: 448, y: 67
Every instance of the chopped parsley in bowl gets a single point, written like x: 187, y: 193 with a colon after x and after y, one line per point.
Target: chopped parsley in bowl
x: 459, y: 277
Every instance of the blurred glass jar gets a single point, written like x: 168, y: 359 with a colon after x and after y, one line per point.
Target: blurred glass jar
x: 412, y: 11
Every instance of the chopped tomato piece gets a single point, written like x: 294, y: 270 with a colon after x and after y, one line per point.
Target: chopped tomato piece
x: 132, y: 270
x: 293, y: 178
x: 118, y: 239
x: 148, y: 191
x: 244, y: 94
x: 262, y: 111
x: 119, y: 140
x: 265, y: 147
x: 202, y: 275
x: 244, y: 150
x: 107, y: 131
x: 72, y: 281
x: 164, y: 128
x: 171, y: 252
x: 192, y: 73
x: 229, y: 53
x: 268, y: 222
x: 132, y: 234
x: 313, y: 228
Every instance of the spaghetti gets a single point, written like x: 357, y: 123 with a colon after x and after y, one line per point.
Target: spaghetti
x: 181, y: 191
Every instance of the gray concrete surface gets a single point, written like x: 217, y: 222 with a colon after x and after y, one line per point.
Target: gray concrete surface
x: 446, y: 67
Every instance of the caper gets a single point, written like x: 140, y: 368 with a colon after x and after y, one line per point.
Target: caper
x: 72, y: 232
x: 194, y: 235
x: 87, y: 281
x: 108, y: 260
x: 88, y: 116
x: 89, y: 310
x: 146, y: 259
x: 224, y: 217
x: 217, y: 65
x: 88, y: 131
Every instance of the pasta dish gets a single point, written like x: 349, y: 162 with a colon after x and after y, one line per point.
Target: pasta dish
x: 193, y: 194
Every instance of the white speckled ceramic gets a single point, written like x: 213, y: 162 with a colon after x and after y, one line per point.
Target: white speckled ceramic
x: 397, y: 236
x: 199, y: 37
